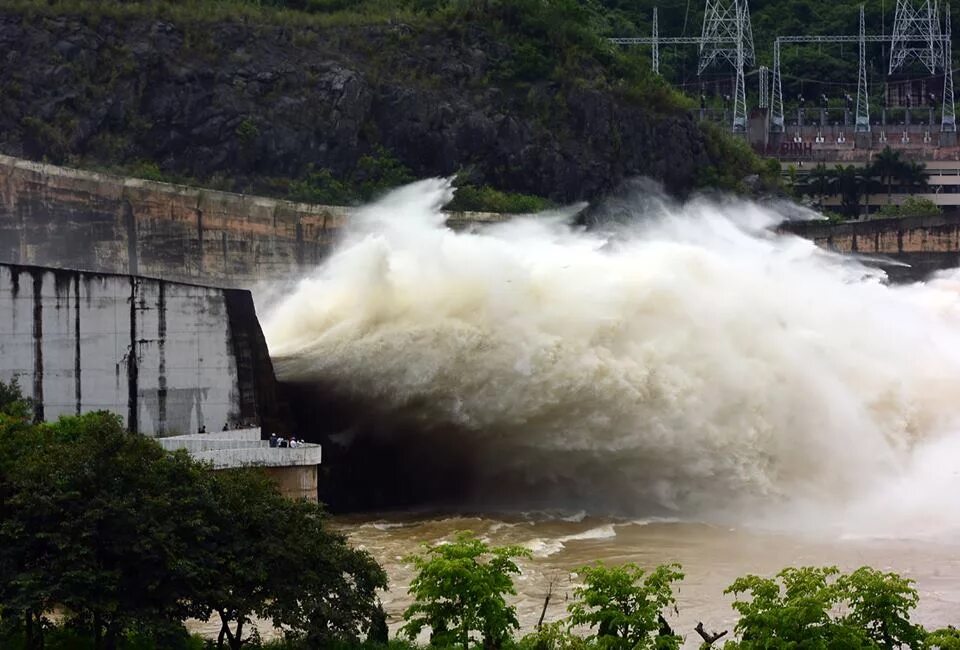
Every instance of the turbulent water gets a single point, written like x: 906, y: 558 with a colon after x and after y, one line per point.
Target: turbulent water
x: 712, y: 557
x: 692, y: 364
x: 756, y: 402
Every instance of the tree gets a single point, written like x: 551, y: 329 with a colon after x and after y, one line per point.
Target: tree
x: 102, y: 521
x: 821, y: 180
x: 888, y: 166
x: 553, y: 636
x: 947, y: 638
x: 880, y: 604
x: 797, y: 614
x: 796, y: 609
x: 12, y: 401
x: 626, y: 606
x: 460, y: 590
x: 275, y: 558
x: 914, y: 175
x: 333, y: 596
x: 849, y: 186
x: 125, y: 538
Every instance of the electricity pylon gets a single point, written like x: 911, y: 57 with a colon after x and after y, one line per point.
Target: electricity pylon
x: 863, y: 100
x: 916, y: 35
x: 727, y: 33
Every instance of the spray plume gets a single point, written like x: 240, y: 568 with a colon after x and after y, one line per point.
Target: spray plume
x: 694, y: 362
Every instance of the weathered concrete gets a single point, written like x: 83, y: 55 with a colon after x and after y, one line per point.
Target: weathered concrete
x: 168, y: 357
x: 926, y: 244
x: 293, y: 469
x: 68, y: 218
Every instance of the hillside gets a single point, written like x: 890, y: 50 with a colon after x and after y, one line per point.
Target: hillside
x: 331, y: 101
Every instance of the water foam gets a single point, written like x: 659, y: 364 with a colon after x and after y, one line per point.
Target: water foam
x: 695, y: 363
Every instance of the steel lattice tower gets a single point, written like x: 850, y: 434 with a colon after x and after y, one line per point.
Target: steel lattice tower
x: 776, y: 92
x: 916, y: 35
x: 763, y: 76
x: 740, y: 92
x: 863, y: 99
x: 655, y: 55
x: 949, y: 116
x: 727, y: 33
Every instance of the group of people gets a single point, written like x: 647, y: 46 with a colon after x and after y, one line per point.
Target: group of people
x: 277, y: 441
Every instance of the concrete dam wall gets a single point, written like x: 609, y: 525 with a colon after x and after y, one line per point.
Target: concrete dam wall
x: 926, y: 244
x: 67, y: 218
x: 169, y: 357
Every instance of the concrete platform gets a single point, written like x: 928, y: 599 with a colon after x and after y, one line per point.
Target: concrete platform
x: 294, y: 469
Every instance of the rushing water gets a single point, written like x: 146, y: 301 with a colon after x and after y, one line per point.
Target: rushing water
x: 712, y: 557
x: 691, y: 366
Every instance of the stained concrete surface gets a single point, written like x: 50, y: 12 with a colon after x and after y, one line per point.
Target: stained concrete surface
x: 167, y: 357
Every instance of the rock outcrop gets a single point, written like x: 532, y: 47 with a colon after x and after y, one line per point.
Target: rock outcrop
x: 239, y: 104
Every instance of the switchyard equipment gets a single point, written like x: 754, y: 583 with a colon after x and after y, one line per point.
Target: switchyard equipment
x: 727, y: 35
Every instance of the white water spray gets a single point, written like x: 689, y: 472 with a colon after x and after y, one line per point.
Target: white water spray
x: 697, y: 363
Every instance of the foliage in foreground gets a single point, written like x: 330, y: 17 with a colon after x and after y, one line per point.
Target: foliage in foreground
x: 125, y: 540
x: 625, y: 606
x: 459, y: 593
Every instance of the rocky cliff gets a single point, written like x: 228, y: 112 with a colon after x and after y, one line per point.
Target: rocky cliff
x: 240, y: 104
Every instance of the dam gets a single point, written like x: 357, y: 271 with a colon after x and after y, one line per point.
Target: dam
x: 154, y: 319
x: 74, y: 219
x: 168, y: 357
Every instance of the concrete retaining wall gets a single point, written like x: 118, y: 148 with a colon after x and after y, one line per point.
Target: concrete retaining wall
x: 926, y: 244
x: 293, y: 469
x: 168, y: 357
x: 67, y: 218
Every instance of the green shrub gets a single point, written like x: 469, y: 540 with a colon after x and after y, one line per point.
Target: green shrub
x: 459, y: 593
x: 470, y: 198
x: 625, y: 606
x: 912, y: 206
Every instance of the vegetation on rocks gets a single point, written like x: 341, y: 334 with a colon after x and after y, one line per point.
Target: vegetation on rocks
x: 336, y: 101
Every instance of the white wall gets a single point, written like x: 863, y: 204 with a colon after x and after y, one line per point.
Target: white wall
x: 68, y: 336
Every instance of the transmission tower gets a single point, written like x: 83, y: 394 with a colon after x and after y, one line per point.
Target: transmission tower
x: 726, y: 31
x: 949, y: 119
x: 916, y: 35
x: 763, y: 76
x: 655, y: 43
x: 776, y: 92
x: 863, y: 100
x: 740, y: 92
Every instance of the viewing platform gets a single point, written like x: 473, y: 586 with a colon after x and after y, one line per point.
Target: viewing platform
x: 293, y: 468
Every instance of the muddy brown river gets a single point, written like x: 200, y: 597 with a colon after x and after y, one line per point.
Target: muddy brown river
x: 712, y: 557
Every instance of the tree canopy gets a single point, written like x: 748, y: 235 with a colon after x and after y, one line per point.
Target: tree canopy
x: 118, y: 535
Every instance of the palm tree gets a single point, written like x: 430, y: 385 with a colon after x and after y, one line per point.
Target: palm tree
x: 870, y: 180
x: 849, y: 186
x: 820, y: 181
x: 914, y: 175
x: 888, y: 166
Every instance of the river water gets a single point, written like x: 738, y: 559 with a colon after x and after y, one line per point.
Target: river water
x: 712, y: 556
